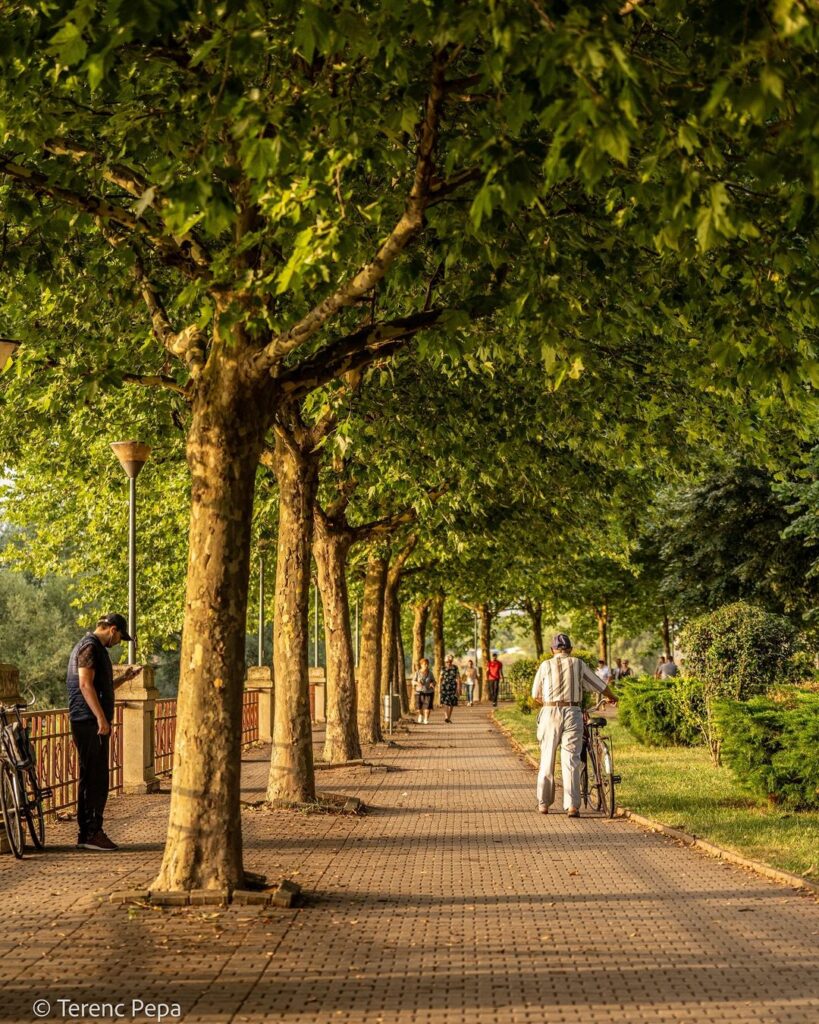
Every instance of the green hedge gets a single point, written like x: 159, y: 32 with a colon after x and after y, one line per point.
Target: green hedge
x: 657, y: 712
x: 771, y: 743
x: 738, y: 651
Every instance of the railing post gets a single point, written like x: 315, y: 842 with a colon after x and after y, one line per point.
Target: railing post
x: 260, y: 678
x: 138, y: 698
x: 318, y: 683
x: 9, y: 694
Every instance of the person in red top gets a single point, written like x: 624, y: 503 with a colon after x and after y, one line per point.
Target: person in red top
x: 494, y: 676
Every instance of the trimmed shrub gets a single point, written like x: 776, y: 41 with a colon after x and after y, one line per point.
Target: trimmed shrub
x: 771, y: 743
x: 651, y: 709
x: 738, y: 651
x: 521, y: 676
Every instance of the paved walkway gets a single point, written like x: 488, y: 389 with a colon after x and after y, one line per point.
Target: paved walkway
x: 451, y: 901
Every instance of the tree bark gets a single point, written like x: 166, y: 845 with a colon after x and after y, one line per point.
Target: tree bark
x: 419, y: 632
x: 203, y: 849
x: 392, y: 583
x: 602, y: 616
x: 292, y: 778
x: 369, y: 663
x: 535, y: 611
x: 330, y: 549
x: 400, y: 666
x: 485, y: 617
x: 437, y: 624
x: 666, y: 635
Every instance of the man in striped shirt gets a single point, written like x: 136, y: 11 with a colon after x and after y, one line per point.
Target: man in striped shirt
x: 559, y: 685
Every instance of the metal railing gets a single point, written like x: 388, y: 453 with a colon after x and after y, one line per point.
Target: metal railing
x: 57, y: 756
x: 164, y: 735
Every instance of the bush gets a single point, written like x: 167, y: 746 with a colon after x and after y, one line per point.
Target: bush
x: 652, y: 710
x: 521, y: 676
x: 738, y: 651
x: 771, y: 743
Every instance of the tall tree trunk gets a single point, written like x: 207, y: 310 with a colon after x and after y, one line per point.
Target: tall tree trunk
x: 292, y: 779
x: 437, y: 625
x: 400, y: 662
x: 485, y: 617
x: 602, y: 616
x: 330, y: 549
x: 369, y: 663
x: 392, y: 583
x: 203, y: 849
x: 419, y: 631
x: 388, y: 633
x: 666, y: 635
x: 535, y: 611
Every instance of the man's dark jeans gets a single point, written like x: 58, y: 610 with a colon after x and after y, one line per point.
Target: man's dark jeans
x: 494, y: 685
x: 92, y: 791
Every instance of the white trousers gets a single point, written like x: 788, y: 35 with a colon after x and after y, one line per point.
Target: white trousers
x: 561, y: 727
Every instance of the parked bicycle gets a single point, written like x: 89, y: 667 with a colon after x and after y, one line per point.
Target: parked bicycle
x: 21, y: 796
x: 597, y: 775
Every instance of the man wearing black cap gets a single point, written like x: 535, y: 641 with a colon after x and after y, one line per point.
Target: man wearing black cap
x: 90, y: 684
x: 558, y: 686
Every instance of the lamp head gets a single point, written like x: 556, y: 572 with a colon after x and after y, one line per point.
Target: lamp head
x: 132, y: 456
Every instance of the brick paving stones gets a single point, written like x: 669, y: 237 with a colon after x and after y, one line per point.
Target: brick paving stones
x: 450, y: 901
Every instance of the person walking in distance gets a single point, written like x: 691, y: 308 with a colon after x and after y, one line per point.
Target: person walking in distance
x: 470, y: 679
x: 558, y: 686
x: 494, y: 676
x: 424, y: 686
x: 90, y: 684
x: 450, y: 687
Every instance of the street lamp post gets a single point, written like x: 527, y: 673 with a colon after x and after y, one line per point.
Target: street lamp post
x: 261, y: 608
x: 132, y: 456
x: 7, y: 350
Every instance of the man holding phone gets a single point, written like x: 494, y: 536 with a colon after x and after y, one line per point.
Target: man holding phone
x: 90, y: 684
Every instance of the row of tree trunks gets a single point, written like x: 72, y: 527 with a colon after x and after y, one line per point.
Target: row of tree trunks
x: 369, y: 662
x: 204, y: 847
x: 330, y: 549
x: 292, y: 778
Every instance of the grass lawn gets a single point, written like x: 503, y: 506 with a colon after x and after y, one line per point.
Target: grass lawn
x: 679, y: 786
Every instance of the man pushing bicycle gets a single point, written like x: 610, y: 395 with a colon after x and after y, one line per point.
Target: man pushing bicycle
x: 559, y: 685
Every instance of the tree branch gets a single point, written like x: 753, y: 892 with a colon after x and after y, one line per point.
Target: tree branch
x: 157, y: 381
x: 378, y: 529
x: 187, y: 344
x: 408, y: 226
x: 186, y: 255
x: 355, y: 351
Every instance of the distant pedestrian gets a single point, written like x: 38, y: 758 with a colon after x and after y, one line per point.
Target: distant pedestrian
x: 668, y: 669
x: 626, y: 670
x: 494, y: 676
x: 617, y: 671
x: 470, y: 681
x: 424, y: 686
x: 659, y: 668
x: 558, y: 686
x: 603, y: 672
x: 90, y: 684
x: 450, y: 687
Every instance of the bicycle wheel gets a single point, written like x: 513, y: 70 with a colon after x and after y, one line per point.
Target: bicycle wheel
x: 584, y: 777
x: 10, y: 807
x: 33, y: 807
x: 606, y: 762
x: 595, y: 788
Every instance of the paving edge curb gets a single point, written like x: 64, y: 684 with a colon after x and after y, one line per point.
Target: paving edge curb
x: 711, y: 849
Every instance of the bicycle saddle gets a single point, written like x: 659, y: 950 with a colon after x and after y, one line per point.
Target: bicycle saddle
x: 598, y: 723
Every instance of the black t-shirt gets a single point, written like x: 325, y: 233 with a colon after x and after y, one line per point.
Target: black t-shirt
x: 90, y: 653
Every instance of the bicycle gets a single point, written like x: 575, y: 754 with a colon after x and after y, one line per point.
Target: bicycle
x: 597, y: 751
x: 21, y: 796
